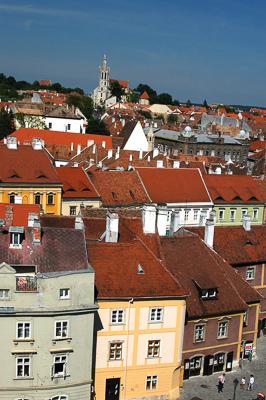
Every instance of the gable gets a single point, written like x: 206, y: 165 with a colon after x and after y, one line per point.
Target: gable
x: 137, y: 140
x: 6, y: 269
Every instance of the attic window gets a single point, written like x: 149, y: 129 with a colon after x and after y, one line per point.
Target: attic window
x: 140, y: 270
x: 219, y: 198
x: 253, y: 198
x: 208, y: 293
x: 114, y: 195
x: 13, y: 174
x: 40, y: 174
x: 236, y: 198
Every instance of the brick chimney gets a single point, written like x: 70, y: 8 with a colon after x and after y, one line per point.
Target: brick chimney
x: 112, y: 223
x: 36, y: 232
x: 8, y: 216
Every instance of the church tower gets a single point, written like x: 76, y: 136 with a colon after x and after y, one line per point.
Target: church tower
x: 102, y: 92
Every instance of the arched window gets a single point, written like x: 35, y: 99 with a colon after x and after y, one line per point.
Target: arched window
x: 50, y: 198
x: 12, y: 196
x: 37, y: 198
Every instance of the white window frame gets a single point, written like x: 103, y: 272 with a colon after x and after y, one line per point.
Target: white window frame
x: 250, y: 276
x: 47, y: 201
x: 59, y: 397
x: 62, y: 295
x: 197, y: 337
x: 154, y: 348
x: 196, y: 214
x: 221, y: 212
x: 151, y: 380
x: 72, y: 210
x: 244, y: 211
x: 156, y: 319
x: 62, y: 374
x: 5, y: 291
x: 15, y: 242
x: 61, y: 322
x: 225, y: 334
x: 117, y: 350
x: 255, y: 210
x: 116, y: 316
x: 24, y: 364
x: 186, y: 215
x: 23, y: 323
x: 232, y: 214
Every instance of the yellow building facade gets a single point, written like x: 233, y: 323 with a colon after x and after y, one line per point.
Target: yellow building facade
x: 139, y: 349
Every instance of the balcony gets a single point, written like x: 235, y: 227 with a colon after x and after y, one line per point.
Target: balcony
x: 26, y: 284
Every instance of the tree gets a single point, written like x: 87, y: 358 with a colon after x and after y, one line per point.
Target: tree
x: 30, y: 121
x: 116, y: 90
x: 151, y: 92
x: 188, y: 103
x: 7, y: 124
x: 84, y: 103
x: 164, y: 98
x: 96, y: 126
x: 176, y: 102
x: 172, y: 119
x: 145, y: 114
x: 57, y: 87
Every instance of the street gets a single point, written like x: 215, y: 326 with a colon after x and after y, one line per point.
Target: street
x: 204, y: 387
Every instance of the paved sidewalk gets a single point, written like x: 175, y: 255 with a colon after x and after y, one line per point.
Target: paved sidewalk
x: 204, y: 388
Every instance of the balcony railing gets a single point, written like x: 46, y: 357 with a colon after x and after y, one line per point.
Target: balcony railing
x: 26, y: 283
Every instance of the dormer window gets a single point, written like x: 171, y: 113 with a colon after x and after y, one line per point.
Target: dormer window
x: 16, y: 236
x: 140, y: 270
x: 208, y: 293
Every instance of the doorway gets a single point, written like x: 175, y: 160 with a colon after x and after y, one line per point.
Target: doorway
x: 112, y: 389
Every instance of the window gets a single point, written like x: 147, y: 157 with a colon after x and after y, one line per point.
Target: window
x: 68, y: 127
x: 61, y: 329
x: 222, y: 329
x: 244, y: 211
x: 12, y: 198
x: 255, y: 214
x: 72, y: 210
x: 115, y: 351
x: 232, y: 214
x: 153, y: 348
x: 195, y: 363
x: 16, y: 239
x: 156, y: 314
x: 50, y: 125
x: 4, y: 294
x: 50, y: 198
x: 186, y: 215
x: 208, y: 293
x: 23, y: 367
x: 117, y: 316
x: 23, y: 330
x: 59, y: 366
x: 37, y: 198
x: 151, y: 382
x: 62, y: 397
x: 245, y: 318
x: 64, y: 293
x: 199, y: 333
x: 221, y: 214
x: 250, y: 273
x: 196, y: 215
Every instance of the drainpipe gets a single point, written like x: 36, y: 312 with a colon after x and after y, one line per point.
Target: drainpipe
x: 131, y: 301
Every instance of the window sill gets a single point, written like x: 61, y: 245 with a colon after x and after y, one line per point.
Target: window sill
x: 15, y: 246
x: 199, y: 341
x: 117, y: 324
x: 68, y: 339
x: 28, y: 378
x: 153, y: 358
x: 16, y: 341
x: 155, y: 322
x: 222, y: 337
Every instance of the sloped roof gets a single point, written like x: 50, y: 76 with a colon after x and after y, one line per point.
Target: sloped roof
x: 258, y: 145
x: 127, y: 130
x: 19, y: 212
x: 197, y: 267
x: 122, y: 82
x: 170, y: 185
x: 144, y: 95
x: 24, y: 165
x: 55, y: 253
x: 76, y: 183
x: 119, y: 188
x: 233, y: 189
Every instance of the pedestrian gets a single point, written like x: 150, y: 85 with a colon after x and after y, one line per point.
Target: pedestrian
x: 250, y: 356
x: 251, y: 382
x: 243, y: 383
x: 221, y: 380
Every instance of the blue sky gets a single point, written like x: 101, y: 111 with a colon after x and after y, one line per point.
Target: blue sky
x: 213, y: 49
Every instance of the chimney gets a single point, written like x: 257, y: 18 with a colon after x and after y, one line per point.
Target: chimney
x: 71, y: 146
x: 110, y: 153
x: 36, y: 232
x: 175, y: 222
x: 149, y: 158
x: 78, y: 149
x: 37, y: 144
x: 103, y: 144
x: 11, y: 143
x: 111, y: 232
x: 209, y: 232
x: 117, y: 155
x: 130, y: 157
x: 32, y: 217
x: 162, y: 221
x: 176, y: 164
x: 140, y: 154
x: 246, y: 222
x: 159, y: 164
x: 79, y: 223
x: 90, y: 142
x: 94, y: 149
x: 123, y: 121
x: 149, y: 218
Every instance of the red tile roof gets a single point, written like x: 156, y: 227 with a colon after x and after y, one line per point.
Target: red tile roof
x: 233, y: 189
x: 76, y: 183
x: 45, y: 82
x: 122, y: 83
x: 258, y: 145
x: 60, y: 138
x: 26, y: 165
x: 119, y: 188
x: 17, y: 214
x: 144, y: 95
x: 166, y: 185
x: 197, y: 267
